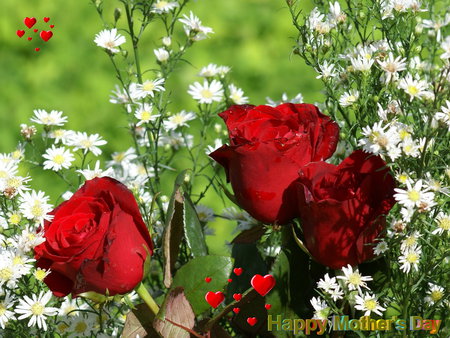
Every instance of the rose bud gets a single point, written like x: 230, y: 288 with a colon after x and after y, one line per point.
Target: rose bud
x: 342, y: 208
x: 268, y: 145
x: 97, y: 241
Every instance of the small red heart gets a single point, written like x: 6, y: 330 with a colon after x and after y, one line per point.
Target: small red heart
x: 208, y: 279
x: 20, y: 33
x: 268, y: 306
x: 229, y: 280
x: 263, y: 285
x: 30, y: 38
x: 51, y: 26
x: 46, y: 35
x: 214, y: 299
x: 252, y: 321
x: 37, y: 49
x: 35, y: 30
x: 29, y: 22
x: 236, y: 310
x: 237, y: 297
x: 46, y: 19
x: 238, y: 271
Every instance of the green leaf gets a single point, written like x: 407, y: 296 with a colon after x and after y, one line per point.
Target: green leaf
x: 139, y: 322
x: 191, y: 277
x: 193, y: 230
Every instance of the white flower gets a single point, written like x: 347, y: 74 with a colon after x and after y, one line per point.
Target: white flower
x: 353, y: 279
x: 445, y: 45
x: 362, y: 63
x: 34, y: 206
x: 413, y: 196
x: 444, y: 114
x: 144, y: 114
x: 436, y: 25
x: 57, y: 158
x: 204, y: 213
x: 206, y: 93
x: 82, y: 326
x: 176, y: 140
x: 217, y: 144
x: 122, y: 157
x: 410, y: 147
x: 237, y: 95
x: 162, y: 55
x: 326, y: 70
x: 392, y: 66
x: 327, y: 283
x: 316, y: 21
x: 410, y: 259
x: 223, y: 70
x: 321, y: 309
x: 210, y: 70
x: 8, y: 273
x: 380, y: 248
x: 35, y: 308
x: 381, y: 139
x: 110, y: 40
x: 148, y: 88
x: 368, y: 304
x: 29, y: 239
x: 435, y: 294
x: 162, y: 6
x: 336, y: 16
x: 61, y: 135
x: 81, y: 140
x: 5, y: 309
x: 349, y: 98
x: 443, y: 223
x: 54, y: 118
x: 336, y: 293
x: 166, y: 41
x: 193, y: 27
x: 178, y: 120
x: 284, y: 98
x: 410, y: 241
x: 414, y: 87
x: 96, y: 172
x: 70, y: 308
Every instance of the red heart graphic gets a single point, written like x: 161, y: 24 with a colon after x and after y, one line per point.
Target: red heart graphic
x: 51, y: 26
x: 30, y: 38
x: 35, y: 30
x: 46, y: 35
x: 236, y: 310
x: 252, y: 321
x: 267, y: 306
x: 46, y: 19
x: 20, y: 33
x: 29, y: 22
x: 229, y: 280
x: 214, y: 299
x: 208, y: 279
x: 237, y: 297
x: 263, y: 285
x: 238, y: 271
x: 37, y: 49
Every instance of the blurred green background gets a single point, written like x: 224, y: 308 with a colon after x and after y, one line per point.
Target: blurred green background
x: 70, y: 73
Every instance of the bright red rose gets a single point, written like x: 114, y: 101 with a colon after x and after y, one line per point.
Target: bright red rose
x: 97, y: 241
x: 342, y: 208
x: 267, y: 148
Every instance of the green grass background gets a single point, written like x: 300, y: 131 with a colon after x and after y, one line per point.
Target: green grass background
x: 70, y: 73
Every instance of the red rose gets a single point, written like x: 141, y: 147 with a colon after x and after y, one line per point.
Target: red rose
x: 267, y: 148
x: 97, y: 241
x: 342, y: 208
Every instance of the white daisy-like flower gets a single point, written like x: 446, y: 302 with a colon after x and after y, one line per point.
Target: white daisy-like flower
x: 8, y: 274
x: 85, y: 142
x: 380, y: 139
x: 380, y: 248
x: 444, y: 114
x: 223, y: 70
x: 193, y: 27
x: 410, y: 241
x: 410, y: 147
x: 217, y: 144
x: 349, y: 98
x: 54, y: 118
x: 336, y: 15
x: 336, y: 293
x: 204, y: 213
x: 110, y: 40
x: 414, y: 87
x: 176, y: 140
x: 210, y: 70
x: 436, y: 185
x: 362, y: 63
x: 326, y: 70
x: 445, y: 45
x: 8, y: 169
x: 61, y: 135
x: 144, y: 113
x: 40, y: 274
x: 34, y: 205
x: 162, y: 55
x: 392, y: 66
x: 178, y: 120
x: 122, y: 157
x: 57, y: 158
x: 35, y: 307
x: 82, y: 326
x: 162, y: 6
x: 410, y: 258
x: 353, y: 279
x: 5, y: 309
x: 90, y: 174
x: 148, y: 88
x: 206, y: 92
x: 443, y: 224
x: 317, y: 22
x: 321, y: 308
x: 14, y: 185
x: 368, y: 303
x: 70, y: 308
x: 29, y: 239
x: 437, y: 25
x: 284, y: 98
x: 435, y: 294
x: 414, y: 196
x: 237, y: 95
x: 327, y: 284
x: 120, y: 96
x: 22, y: 263
x: 166, y: 41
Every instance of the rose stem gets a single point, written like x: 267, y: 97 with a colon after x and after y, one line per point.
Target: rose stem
x: 147, y: 298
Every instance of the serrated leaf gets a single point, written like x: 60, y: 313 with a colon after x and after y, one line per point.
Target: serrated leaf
x: 193, y: 230
x: 176, y: 317
x: 191, y: 277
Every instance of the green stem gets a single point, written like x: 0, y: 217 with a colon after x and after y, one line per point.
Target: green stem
x: 135, y: 41
x: 148, y: 299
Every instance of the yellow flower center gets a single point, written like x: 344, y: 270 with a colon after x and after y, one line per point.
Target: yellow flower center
x: 58, y: 159
x: 445, y: 223
x: 13, y: 182
x: 17, y: 154
x: 161, y: 4
x: 62, y: 327
x: 86, y: 143
x: 436, y: 295
x: 414, y: 195
x: 119, y: 157
x: 37, y: 309
x: 37, y: 210
x: 410, y: 241
x: 17, y: 260
x: 146, y: 116
x: 39, y: 274
x: 5, y: 274
x: 149, y: 86
x: 413, y: 90
x: 3, y: 174
x: 355, y: 279
x: 178, y: 119
x: 370, y: 304
x: 403, y: 178
x: 80, y: 327
x: 412, y: 257
x: 2, y: 309
x: 206, y: 93
x: 14, y: 219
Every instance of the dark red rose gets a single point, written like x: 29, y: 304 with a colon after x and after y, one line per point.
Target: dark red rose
x: 342, y: 208
x: 97, y: 241
x: 267, y: 148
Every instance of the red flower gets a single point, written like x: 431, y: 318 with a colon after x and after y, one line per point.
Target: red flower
x: 267, y: 148
x: 97, y: 241
x: 342, y: 207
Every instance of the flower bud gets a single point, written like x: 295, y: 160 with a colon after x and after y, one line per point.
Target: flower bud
x: 117, y: 14
x: 167, y: 41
